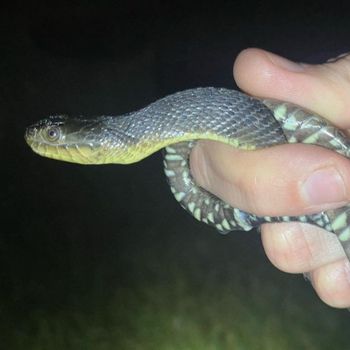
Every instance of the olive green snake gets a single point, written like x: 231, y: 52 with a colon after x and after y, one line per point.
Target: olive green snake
x: 174, y: 123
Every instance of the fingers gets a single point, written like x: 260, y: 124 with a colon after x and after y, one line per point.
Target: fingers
x: 289, y: 179
x: 270, y: 182
x: 298, y: 248
x: 323, y: 89
x: 267, y: 181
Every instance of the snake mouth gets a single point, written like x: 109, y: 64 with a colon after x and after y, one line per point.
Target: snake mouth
x: 68, y: 153
x: 45, y: 150
x: 72, y: 153
x: 29, y: 135
x: 35, y: 141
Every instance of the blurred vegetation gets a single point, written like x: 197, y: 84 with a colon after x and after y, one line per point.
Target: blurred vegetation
x: 211, y: 293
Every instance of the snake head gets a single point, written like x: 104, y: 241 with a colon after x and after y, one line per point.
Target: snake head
x: 63, y: 138
x: 46, y: 130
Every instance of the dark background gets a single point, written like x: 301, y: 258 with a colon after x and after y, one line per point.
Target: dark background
x: 70, y: 232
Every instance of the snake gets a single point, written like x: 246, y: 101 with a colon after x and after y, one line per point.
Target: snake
x: 175, y: 123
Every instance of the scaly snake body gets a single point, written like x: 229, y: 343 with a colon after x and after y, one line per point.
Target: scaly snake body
x: 174, y: 123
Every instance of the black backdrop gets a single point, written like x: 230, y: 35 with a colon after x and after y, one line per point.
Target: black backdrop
x: 62, y: 224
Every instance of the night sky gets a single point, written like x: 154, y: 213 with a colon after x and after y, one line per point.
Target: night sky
x: 66, y: 226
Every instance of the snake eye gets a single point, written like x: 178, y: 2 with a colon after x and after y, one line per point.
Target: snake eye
x: 53, y: 134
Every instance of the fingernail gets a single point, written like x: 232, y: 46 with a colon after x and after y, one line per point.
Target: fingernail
x: 285, y: 64
x: 339, y: 57
x: 324, y: 186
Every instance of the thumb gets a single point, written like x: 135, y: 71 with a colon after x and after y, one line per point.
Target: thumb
x: 267, y: 181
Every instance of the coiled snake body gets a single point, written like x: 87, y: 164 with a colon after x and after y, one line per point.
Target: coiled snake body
x: 175, y: 123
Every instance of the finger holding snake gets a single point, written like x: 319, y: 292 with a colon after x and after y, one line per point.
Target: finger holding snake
x: 291, y: 179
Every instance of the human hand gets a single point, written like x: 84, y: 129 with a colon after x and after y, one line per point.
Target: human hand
x: 289, y: 179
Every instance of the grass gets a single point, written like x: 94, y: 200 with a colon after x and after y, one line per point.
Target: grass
x: 180, y: 315
x: 187, y: 304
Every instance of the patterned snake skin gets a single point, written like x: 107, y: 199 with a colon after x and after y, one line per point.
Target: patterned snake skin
x: 174, y: 123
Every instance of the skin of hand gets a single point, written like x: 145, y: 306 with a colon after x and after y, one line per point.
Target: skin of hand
x: 289, y: 179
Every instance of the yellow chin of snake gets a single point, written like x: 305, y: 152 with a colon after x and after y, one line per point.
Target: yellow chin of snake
x: 132, y: 153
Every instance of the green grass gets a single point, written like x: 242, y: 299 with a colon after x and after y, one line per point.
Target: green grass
x: 180, y: 315
x: 222, y: 301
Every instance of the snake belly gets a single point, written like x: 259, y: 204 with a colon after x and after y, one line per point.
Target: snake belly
x: 174, y: 123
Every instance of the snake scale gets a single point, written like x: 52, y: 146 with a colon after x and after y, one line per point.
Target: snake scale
x: 174, y: 123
